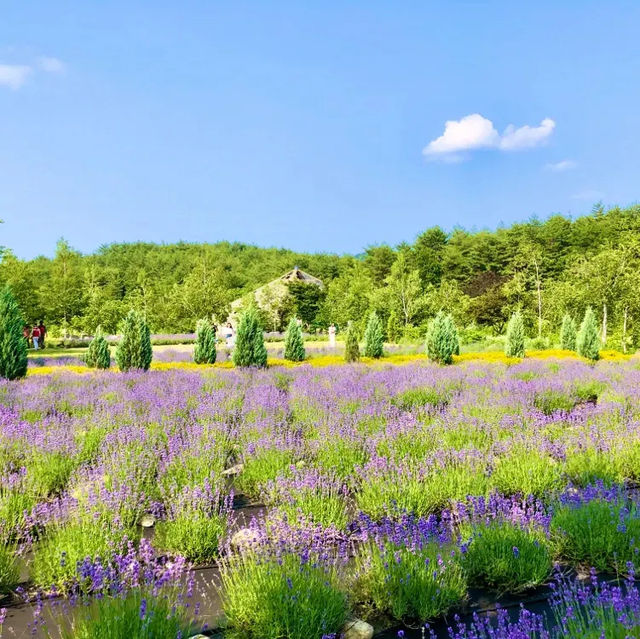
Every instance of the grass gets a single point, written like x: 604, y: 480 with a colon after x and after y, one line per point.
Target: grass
x: 9, y: 573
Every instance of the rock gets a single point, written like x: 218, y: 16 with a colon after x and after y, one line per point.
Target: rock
x: 244, y: 538
x: 234, y: 470
x: 198, y: 637
x: 147, y: 521
x: 357, y: 629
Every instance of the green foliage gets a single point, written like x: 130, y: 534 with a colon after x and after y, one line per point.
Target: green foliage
x: 416, y: 398
x: 351, y: 346
x: 261, y: 467
x: 374, y: 337
x: 393, y: 327
x: 134, y: 350
x: 442, y: 339
x: 98, y: 354
x: 204, y: 351
x: 250, y: 349
x: 568, y: 333
x: 13, y: 347
x: 588, y: 339
x: 9, y: 573
x: 293, y: 342
x: 515, y: 336
x: 194, y: 535
x: 526, y: 472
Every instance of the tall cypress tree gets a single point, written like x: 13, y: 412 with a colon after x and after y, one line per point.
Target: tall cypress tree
x: 250, y: 349
x: 351, y: 347
x: 134, y: 350
x: 514, y: 346
x: 588, y: 340
x: 374, y: 337
x: 204, y: 351
x: 568, y: 333
x: 98, y: 354
x: 442, y: 339
x: 13, y: 347
x: 293, y: 342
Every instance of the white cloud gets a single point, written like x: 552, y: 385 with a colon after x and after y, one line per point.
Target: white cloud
x: 560, y: 167
x: 51, y: 65
x: 14, y: 75
x: 477, y: 132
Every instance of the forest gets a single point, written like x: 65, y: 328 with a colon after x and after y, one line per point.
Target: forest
x: 544, y: 268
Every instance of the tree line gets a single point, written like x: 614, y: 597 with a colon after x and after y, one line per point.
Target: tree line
x: 542, y: 268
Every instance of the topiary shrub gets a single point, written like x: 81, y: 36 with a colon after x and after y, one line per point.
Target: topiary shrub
x: 250, y: 349
x: 588, y: 340
x: 98, y: 354
x: 515, y: 336
x: 293, y: 342
x: 13, y: 347
x: 134, y: 350
x: 351, y: 347
x: 568, y: 333
x: 442, y: 339
x: 374, y: 337
x: 204, y: 351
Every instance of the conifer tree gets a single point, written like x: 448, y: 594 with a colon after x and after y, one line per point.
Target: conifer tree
x: 568, y: 333
x: 392, y: 327
x: 514, y: 346
x: 98, y: 354
x: 134, y: 350
x: 13, y: 347
x: 204, y: 351
x: 442, y: 339
x: 588, y: 340
x: 250, y: 349
x: 293, y: 342
x: 373, y: 337
x: 351, y: 347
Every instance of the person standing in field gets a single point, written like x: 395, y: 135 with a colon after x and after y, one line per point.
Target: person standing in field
x: 26, y: 333
x: 228, y: 333
x: 35, y: 336
x: 332, y: 336
x: 43, y: 333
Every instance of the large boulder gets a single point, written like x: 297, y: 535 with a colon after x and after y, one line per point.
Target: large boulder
x: 357, y: 629
x: 244, y: 538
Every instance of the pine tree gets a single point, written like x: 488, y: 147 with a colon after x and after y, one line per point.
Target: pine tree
x: 250, y: 349
x: 134, y: 350
x: 13, y: 347
x: 98, y: 354
x: 588, y: 340
x: 351, y: 347
x: 374, y: 337
x: 293, y: 342
x: 393, y: 329
x: 515, y: 336
x: 442, y: 339
x: 204, y: 351
x: 568, y: 333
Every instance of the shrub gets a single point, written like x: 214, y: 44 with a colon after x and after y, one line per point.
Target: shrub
x: 416, y: 398
x: 568, y: 333
x: 515, y: 336
x: 526, y: 472
x: 98, y: 354
x: 505, y: 557
x: 351, y: 347
x: 9, y: 574
x: 284, y: 597
x: 374, y: 337
x: 293, y: 342
x: 250, y: 349
x: 393, y: 328
x: 588, y: 340
x: 204, y: 351
x: 13, y: 347
x: 442, y: 339
x: 134, y: 350
x: 262, y: 466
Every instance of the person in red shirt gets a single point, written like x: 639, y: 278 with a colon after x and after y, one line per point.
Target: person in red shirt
x: 43, y: 334
x: 35, y: 336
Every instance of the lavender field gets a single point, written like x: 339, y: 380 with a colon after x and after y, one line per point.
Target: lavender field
x: 287, y: 503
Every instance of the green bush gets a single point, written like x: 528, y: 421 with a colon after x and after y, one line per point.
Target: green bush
x: 194, y: 535
x: 9, y: 574
x: 526, y: 472
x: 514, y: 346
x: 442, y: 339
x: 204, y: 351
x: 568, y: 333
x: 293, y: 342
x: 374, y: 337
x: 351, y: 347
x: 394, y: 328
x: 134, y: 350
x: 250, y: 349
x: 261, y: 467
x: 588, y: 339
x: 13, y: 347
x: 98, y: 354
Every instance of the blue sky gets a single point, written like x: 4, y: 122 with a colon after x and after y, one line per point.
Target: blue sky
x: 311, y: 125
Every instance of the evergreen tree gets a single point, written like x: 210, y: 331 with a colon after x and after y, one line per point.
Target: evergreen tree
x: 515, y: 336
x: 393, y: 327
x: 204, y: 351
x: 588, y: 339
x: 442, y: 339
x: 351, y: 347
x: 374, y: 337
x: 250, y: 349
x: 293, y: 342
x: 568, y: 333
x: 13, y: 347
x: 134, y: 350
x: 98, y: 354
